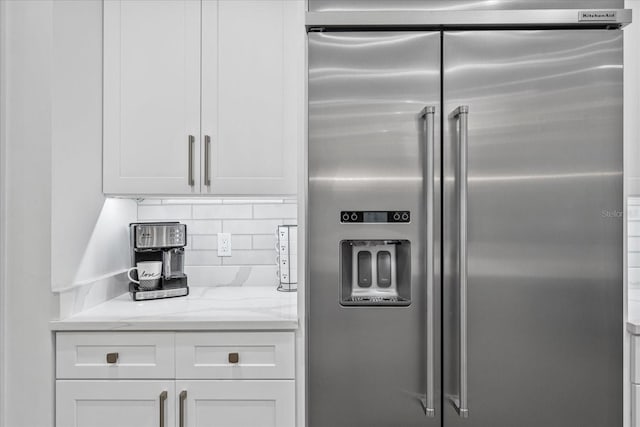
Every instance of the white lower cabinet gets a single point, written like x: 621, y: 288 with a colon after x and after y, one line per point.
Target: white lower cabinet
x: 175, y: 379
x: 635, y: 405
x: 119, y: 403
x: 236, y: 403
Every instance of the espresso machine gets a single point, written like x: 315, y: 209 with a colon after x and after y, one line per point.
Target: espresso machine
x: 155, y: 243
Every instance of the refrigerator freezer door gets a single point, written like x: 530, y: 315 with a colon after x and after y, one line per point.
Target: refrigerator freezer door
x: 368, y: 365
x: 544, y: 322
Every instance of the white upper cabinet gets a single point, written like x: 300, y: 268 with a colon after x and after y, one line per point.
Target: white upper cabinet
x: 227, y: 75
x: 151, y: 96
x: 251, y: 90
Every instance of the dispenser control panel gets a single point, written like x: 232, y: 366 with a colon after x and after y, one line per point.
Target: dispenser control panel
x: 347, y: 217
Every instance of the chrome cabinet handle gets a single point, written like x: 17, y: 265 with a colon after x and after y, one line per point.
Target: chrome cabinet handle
x: 462, y: 114
x: 163, y: 399
x: 207, y: 166
x: 183, y: 398
x: 428, y: 114
x: 190, y: 178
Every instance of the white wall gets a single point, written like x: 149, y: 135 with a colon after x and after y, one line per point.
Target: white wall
x: 89, y: 239
x: 29, y: 301
x: 61, y: 230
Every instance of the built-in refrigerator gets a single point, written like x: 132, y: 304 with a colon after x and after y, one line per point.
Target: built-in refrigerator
x: 464, y: 225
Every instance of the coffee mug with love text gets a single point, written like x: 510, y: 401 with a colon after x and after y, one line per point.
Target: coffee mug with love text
x: 149, y: 273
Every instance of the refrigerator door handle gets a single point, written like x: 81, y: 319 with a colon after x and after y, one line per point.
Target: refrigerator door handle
x: 428, y: 114
x: 461, y: 114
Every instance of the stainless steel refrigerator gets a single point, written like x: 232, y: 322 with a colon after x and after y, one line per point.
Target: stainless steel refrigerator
x: 464, y: 228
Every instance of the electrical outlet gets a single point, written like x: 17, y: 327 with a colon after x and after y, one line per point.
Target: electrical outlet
x: 224, y: 244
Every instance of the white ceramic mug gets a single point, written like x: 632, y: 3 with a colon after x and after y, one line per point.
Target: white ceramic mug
x: 149, y: 273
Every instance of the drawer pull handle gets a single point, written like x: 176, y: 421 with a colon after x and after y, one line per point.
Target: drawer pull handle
x: 234, y: 357
x: 112, y: 358
x: 163, y: 398
x: 183, y: 397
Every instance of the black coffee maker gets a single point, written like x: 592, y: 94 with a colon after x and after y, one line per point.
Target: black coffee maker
x: 163, y: 242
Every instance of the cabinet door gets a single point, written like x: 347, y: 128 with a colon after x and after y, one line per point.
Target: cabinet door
x: 151, y: 96
x: 115, y: 403
x: 236, y: 403
x: 252, y: 92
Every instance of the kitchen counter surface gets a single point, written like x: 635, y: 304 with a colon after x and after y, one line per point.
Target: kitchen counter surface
x: 205, y: 308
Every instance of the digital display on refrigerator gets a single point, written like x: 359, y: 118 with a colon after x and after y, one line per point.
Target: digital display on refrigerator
x: 375, y: 217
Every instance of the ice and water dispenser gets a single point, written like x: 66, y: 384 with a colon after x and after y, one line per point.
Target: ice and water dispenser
x: 375, y: 272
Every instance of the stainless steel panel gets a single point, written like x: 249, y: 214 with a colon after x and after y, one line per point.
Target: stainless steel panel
x: 389, y: 5
x: 367, y: 364
x: 544, y: 245
x: 471, y: 19
x: 153, y: 235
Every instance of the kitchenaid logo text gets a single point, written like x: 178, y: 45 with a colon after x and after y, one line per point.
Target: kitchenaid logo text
x: 598, y: 16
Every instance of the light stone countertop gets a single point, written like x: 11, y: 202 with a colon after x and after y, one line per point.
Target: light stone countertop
x: 205, y: 308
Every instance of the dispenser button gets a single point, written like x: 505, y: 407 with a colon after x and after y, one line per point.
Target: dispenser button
x: 384, y: 269
x: 364, y: 269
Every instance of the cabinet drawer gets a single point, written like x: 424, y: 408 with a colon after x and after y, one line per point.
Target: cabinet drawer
x: 245, y: 355
x: 131, y: 355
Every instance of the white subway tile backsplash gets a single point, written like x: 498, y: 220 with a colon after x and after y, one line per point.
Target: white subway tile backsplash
x: 258, y: 226
x: 202, y: 258
x: 250, y: 201
x: 633, y: 244
x: 633, y: 260
x: 633, y: 212
x: 191, y: 201
x: 203, y: 226
x: 265, y: 241
x: 238, y: 241
x: 275, y: 211
x: 210, y: 242
x: 256, y: 275
x: 252, y: 224
x: 164, y: 213
x: 633, y: 228
x: 251, y: 257
x: 202, y: 242
x: 221, y: 211
x: 633, y: 277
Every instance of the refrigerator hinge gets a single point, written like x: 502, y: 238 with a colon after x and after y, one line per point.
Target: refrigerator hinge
x: 316, y: 29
